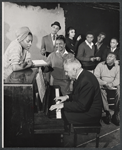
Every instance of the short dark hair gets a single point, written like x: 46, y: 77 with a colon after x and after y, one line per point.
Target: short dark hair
x: 102, y: 33
x: 112, y: 53
x: 90, y: 32
x: 114, y: 38
x: 61, y: 37
x: 68, y: 29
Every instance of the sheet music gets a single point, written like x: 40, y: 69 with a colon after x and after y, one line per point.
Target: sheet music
x: 40, y: 84
x: 58, y: 113
x: 39, y: 62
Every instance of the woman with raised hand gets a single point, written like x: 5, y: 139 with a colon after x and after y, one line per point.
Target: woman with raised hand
x: 71, y: 43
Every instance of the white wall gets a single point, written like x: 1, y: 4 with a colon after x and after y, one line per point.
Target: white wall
x: 37, y: 19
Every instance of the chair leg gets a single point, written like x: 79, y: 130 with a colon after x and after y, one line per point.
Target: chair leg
x: 97, y: 140
x: 75, y: 139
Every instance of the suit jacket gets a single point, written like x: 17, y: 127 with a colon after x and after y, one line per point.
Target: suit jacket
x: 99, y: 52
x: 84, y: 55
x: 85, y: 102
x: 108, y: 50
x: 47, y: 43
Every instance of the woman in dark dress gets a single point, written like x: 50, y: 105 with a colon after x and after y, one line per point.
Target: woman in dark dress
x: 71, y: 43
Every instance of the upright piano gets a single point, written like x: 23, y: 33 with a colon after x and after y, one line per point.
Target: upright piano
x: 19, y: 100
x: 21, y: 122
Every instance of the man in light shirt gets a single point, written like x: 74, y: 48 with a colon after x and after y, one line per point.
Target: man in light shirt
x: 86, y: 51
x: 48, y: 41
x: 108, y: 75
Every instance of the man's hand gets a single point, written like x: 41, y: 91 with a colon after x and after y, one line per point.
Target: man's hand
x: 110, y: 85
x: 92, y: 59
x: 97, y: 58
x: 57, y: 107
x: 61, y: 98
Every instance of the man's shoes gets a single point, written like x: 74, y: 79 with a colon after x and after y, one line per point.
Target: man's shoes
x: 115, y: 119
x: 108, y: 118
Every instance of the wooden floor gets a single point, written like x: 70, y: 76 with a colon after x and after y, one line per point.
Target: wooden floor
x: 109, y: 138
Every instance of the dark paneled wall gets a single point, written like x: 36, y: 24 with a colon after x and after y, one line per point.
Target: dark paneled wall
x: 86, y: 18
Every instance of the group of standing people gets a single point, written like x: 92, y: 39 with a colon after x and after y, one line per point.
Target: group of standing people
x: 82, y: 98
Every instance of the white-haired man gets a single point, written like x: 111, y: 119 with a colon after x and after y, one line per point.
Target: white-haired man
x: 84, y: 104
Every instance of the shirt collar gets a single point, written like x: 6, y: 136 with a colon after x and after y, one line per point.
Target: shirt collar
x: 79, y: 73
x: 109, y: 67
x: 65, y: 52
x: 113, y: 49
x: 90, y: 45
x: 53, y: 34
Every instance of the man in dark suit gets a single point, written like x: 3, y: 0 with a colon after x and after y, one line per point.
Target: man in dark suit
x: 100, y: 46
x: 48, y: 41
x: 84, y: 105
x: 113, y: 48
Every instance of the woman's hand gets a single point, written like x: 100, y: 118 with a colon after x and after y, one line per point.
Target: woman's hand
x: 79, y: 38
x: 24, y: 65
x: 43, y: 51
x: 29, y: 62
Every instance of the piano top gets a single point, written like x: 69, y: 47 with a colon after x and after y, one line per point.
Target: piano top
x: 22, y: 77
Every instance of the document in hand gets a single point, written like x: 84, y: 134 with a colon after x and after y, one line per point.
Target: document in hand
x: 39, y: 62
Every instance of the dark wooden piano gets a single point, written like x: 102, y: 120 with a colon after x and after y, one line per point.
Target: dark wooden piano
x: 22, y: 124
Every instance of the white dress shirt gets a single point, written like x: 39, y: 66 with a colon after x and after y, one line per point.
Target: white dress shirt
x: 90, y: 45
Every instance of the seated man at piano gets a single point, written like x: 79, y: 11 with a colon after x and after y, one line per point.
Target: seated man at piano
x: 55, y: 60
x: 17, y: 56
x: 84, y: 104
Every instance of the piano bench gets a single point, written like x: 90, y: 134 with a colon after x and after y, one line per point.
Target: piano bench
x: 85, y: 129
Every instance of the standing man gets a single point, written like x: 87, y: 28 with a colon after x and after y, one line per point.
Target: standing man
x: 108, y: 75
x: 84, y: 104
x: 86, y: 52
x: 48, y: 41
x: 100, y: 46
x: 113, y: 48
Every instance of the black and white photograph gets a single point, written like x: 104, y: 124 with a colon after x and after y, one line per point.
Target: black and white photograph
x: 61, y: 74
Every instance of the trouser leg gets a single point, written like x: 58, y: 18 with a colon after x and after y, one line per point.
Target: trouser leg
x: 104, y: 99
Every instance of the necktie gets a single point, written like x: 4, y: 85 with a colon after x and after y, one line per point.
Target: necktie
x: 53, y: 37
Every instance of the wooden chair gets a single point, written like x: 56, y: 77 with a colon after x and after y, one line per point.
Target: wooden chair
x: 111, y: 97
x: 85, y: 129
